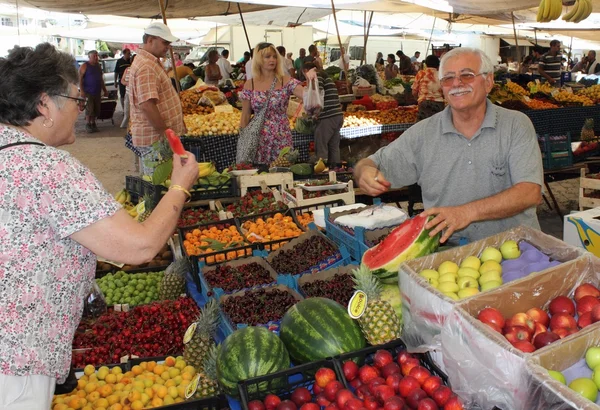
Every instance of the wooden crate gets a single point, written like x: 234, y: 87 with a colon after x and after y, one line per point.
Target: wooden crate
x: 298, y: 200
x: 586, y: 202
x: 282, y: 180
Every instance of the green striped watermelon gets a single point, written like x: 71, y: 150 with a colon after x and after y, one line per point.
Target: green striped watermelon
x: 248, y: 353
x: 408, y: 241
x: 317, y: 328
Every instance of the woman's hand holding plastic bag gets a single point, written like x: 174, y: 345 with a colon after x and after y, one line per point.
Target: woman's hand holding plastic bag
x: 313, y: 99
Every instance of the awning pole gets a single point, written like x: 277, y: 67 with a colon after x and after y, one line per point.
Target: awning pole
x: 367, y: 38
x: 570, y: 50
x: 244, y: 26
x: 517, y: 43
x: 164, y: 17
x: 431, y: 34
x: 341, y: 49
x: 362, y: 57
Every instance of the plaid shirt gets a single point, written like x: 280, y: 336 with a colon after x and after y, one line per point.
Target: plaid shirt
x: 428, y: 84
x: 148, y: 80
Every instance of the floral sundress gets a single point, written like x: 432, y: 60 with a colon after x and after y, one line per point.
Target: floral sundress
x: 276, y: 133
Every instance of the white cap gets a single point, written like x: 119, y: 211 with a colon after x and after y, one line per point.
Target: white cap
x: 160, y: 30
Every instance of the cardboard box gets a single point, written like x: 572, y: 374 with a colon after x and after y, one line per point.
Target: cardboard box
x: 482, y: 366
x: 425, y: 309
x: 582, y: 229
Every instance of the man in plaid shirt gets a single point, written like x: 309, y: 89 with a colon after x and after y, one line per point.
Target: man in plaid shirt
x: 155, y: 105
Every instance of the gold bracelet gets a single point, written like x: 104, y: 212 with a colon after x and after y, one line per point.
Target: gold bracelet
x: 182, y: 189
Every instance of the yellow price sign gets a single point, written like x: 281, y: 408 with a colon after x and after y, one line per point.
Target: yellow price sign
x: 357, y: 304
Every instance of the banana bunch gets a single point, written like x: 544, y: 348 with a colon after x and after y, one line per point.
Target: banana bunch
x: 539, y: 87
x: 580, y: 11
x: 131, y: 209
x: 122, y: 196
x: 205, y: 169
x: 549, y: 10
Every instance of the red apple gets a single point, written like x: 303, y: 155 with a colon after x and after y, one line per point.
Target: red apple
x: 310, y: 406
x: 491, y: 316
x: 441, y: 395
x: 562, y: 319
x: 561, y: 304
x: 407, y: 385
x: 374, y: 383
x: 342, y: 396
x: 544, y: 339
x: 563, y: 332
x: 390, y: 368
x: 353, y: 404
x: 323, y: 376
x: 494, y: 327
x: 394, y: 403
x: 367, y: 373
x: 586, y: 303
x: 331, y: 389
x: 393, y: 380
x: 453, y: 403
x: 524, y: 346
x: 350, y: 370
x: 381, y: 358
x: 317, y: 389
x: 256, y: 405
x: 383, y: 392
x: 301, y: 395
x: 287, y: 405
x: 521, y: 319
x: 538, y: 316
x: 415, y: 397
x: 585, y: 320
x: 539, y: 328
x: 403, y: 356
x: 431, y: 383
x: 585, y: 290
x: 517, y: 333
x: 408, y: 365
x: 371, y: 403
x: 595, y: 314
x: 420, y: 373
x: 427, y: 404
x: 271, y: 401
x: 322, y: 401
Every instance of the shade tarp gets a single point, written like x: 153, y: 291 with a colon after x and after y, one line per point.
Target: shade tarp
x: 280, y: 17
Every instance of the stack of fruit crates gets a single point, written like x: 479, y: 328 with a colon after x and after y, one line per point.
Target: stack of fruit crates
x: 556, y: 150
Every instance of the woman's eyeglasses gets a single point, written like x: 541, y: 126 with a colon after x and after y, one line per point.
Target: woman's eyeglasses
x: 465, y: 78
x: 81, y: 102
x: 262, y: 46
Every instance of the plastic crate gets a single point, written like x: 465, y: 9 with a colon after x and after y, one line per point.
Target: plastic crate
x: 283, y: 383
x: 554, y: 143
x: 133, y: 272
x: 272, y: 245
x: 137, y: 187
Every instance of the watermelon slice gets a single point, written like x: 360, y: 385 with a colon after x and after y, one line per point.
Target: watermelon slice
x: 408, y: 241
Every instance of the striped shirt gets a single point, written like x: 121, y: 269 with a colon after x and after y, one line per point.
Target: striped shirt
x: 551, y: 65
x: 332, y: 105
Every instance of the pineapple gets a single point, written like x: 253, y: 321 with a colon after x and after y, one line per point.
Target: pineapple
x: 379, y: 323
x: 148, y: 208
x: 173, y: 283
x: 287, y: 157
x: 208, y: 386
x: 197, y: 349
x: 587, y: 132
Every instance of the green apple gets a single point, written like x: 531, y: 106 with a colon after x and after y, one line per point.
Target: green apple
x: 596, y: 376
x: 448, y: 277
x: 467, y: 292
x: 592, y: 357
x: 447, y: 267
x: 429, y: 273
x: 467, y: 282
x: 451, y: 295
x: 448, y: 287
x: 557, y: 376
x: 488, y: 276
x: 433, y: 282
x: 490, y: 266
x: 490, y: 254
x: 586, y: 387
x: 490, y: 285
x: 510, y: 250
x: 472, y: 262
x: 468, y: 272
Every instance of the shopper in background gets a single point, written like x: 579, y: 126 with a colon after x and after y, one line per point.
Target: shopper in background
x: 344, y: 63
x: 122, y: 64
x: 391, y: 69
x: 288, y: 57
x: 526, y: 65
x: 415, y: 58
x: 248, y: 65
x: 155, y: 105
x: 212, y: 73
x: 182, y: 72
x: 91, y: 86
x: 379, y: 62
x: 298, y: 63
x: 288, y: 66
x: 330, y: 120
x: 267, y: 71
x: 592, y: 64
x: 177, y: 58
x: 479, y: 165
x: 242, y: 61
x: 225, y: 65
x: 549, y: 66
x: 314, y: 57
x: 427, y: 89
x: 404, y: 63
x: 56, y: 217
x: 126, y: 109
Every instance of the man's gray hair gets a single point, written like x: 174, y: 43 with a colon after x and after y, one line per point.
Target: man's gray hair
x: 486, y: 64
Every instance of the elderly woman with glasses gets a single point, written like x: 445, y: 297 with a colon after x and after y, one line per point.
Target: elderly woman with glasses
x: 55, y: 217
x: 270, y: 89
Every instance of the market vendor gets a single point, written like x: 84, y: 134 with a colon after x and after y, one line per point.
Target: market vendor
x: 550, y: 64
x: 56, y: 217
x: 479, y: 165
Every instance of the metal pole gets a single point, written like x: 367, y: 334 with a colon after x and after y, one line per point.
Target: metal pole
x: 431, y: 35
x: 517, y: 43
x: 244, y: 26
x: 367, y: 38
x: 342, y: 53
x: 362, y: 57
x: 164, y: 17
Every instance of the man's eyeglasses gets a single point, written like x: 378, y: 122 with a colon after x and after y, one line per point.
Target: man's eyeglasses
x: 262, y: 46
x: 465, y: 78
x: 81, y: 102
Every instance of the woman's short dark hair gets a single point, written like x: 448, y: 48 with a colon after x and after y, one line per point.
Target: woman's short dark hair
x: 432, y: 61
x: 393, y: 57
x: 27, y: 73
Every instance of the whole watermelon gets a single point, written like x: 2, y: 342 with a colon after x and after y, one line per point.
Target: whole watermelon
x: 248, y: 353
x: 317, y: 328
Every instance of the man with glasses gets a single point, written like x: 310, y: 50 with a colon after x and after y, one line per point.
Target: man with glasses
x: 91, y: 85
x: 479, y: 165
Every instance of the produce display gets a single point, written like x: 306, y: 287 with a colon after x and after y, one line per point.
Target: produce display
x: 232, y: 278
x: 303, y: 256
x: 218, y: 123
x: 340, y: 288
x: 162, y: 259
x: 568, y: 98
x: 271, y: 229
x: 304, y: 219
x: 197, y: 216
x: 255, y: 202
x: 257, y: 306
x: 536, y: 328
x: 593, y: 93
x: 144, y: 331
x: 214, y: 239
x: 584, y: 376
x: 189, y: 103
x: 133, y: 289
x: 199, y: 344
x: 368, y: 118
